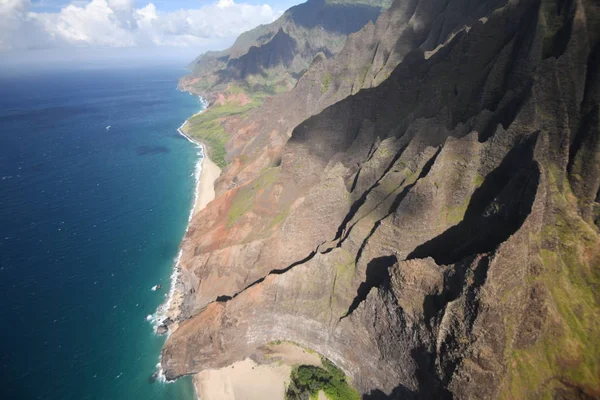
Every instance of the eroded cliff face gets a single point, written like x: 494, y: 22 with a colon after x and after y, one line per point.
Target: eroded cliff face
x: 366, y: 59
x: 435, y: 233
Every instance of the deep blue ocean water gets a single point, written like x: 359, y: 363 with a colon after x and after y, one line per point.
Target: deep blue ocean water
x: 90, y: 220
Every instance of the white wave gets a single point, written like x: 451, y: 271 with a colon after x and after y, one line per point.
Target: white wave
x: 197, y: 175
x: 160, y: 374
x: 203, y: 103
x: 160, y: 315
x: 154, y: 288
x: 161, y: 312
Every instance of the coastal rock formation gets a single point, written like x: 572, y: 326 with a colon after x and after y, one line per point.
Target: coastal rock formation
x: 431, y: 223
x: 162, y: 329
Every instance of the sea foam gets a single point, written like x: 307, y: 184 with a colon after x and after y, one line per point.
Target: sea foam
x: 162, y: 311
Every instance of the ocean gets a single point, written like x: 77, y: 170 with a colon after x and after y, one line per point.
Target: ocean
x: 96, y: 187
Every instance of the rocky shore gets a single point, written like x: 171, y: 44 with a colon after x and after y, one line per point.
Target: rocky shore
x: 207, y: 172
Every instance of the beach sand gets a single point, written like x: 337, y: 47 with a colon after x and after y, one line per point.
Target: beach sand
x: 264, y: 379
x: 209, y: 173
x: 205, y: 189
x: 204, y: 194
x: 243, y: 380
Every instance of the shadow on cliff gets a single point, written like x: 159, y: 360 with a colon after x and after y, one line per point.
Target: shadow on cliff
x: 415, y: 89
x: 496, y: 210
x: 429, y: 384
x: 377, y: 275
x: 400, y: 392
x: 279, y: 51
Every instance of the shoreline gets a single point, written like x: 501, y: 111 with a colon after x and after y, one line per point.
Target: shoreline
x: 206, y: 172
x: 263, y: 375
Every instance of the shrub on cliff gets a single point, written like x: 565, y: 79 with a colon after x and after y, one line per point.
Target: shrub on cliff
x: 307, y: 381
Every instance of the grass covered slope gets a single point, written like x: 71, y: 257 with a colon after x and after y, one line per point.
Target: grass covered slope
x: 207, y: 126
x: 566, y: 358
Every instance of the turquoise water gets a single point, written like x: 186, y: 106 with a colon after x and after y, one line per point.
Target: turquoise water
x: 90, y: 219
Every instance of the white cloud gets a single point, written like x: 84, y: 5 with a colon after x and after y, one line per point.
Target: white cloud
x: 119, y: 23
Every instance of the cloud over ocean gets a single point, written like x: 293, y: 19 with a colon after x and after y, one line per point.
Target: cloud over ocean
x: 121, y: 23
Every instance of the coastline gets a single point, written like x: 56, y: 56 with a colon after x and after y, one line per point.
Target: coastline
x: 264, y: 375
x: 267, y: 372
x: 206, y: 173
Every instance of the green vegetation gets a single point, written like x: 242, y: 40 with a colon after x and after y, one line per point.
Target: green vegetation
x: 326, y: 82
x: 345, y: 270
x: 553, y: 21
x: 567, y: 352
x: 243, y: 200
x: 454, y: 215
x: 207, y: 126
x: 279, y: 218
x: 478, y: 181
x: 307, y: 381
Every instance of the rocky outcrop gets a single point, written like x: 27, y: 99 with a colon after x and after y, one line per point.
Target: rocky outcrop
x: 434, y: 233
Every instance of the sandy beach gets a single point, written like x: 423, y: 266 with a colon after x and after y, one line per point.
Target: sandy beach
x: 205, y: 187
x: 204, y: 194
x: 207, y: 173
x: 262, y: 379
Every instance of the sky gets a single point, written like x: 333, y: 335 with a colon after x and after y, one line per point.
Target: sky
x: 51, y: 30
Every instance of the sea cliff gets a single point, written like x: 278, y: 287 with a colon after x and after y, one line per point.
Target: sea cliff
x: 421, y: 208
x: 167, y: 317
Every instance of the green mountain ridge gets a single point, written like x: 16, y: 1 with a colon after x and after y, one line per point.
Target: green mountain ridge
x: 278, y: 53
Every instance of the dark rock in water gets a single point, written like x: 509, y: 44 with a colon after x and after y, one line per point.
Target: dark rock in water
x: 162, y: 329
x: 159, y: 286
x: 153, y: 378
x: 168, y: 322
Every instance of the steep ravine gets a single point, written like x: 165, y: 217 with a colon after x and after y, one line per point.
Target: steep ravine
x: 433, y: 234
